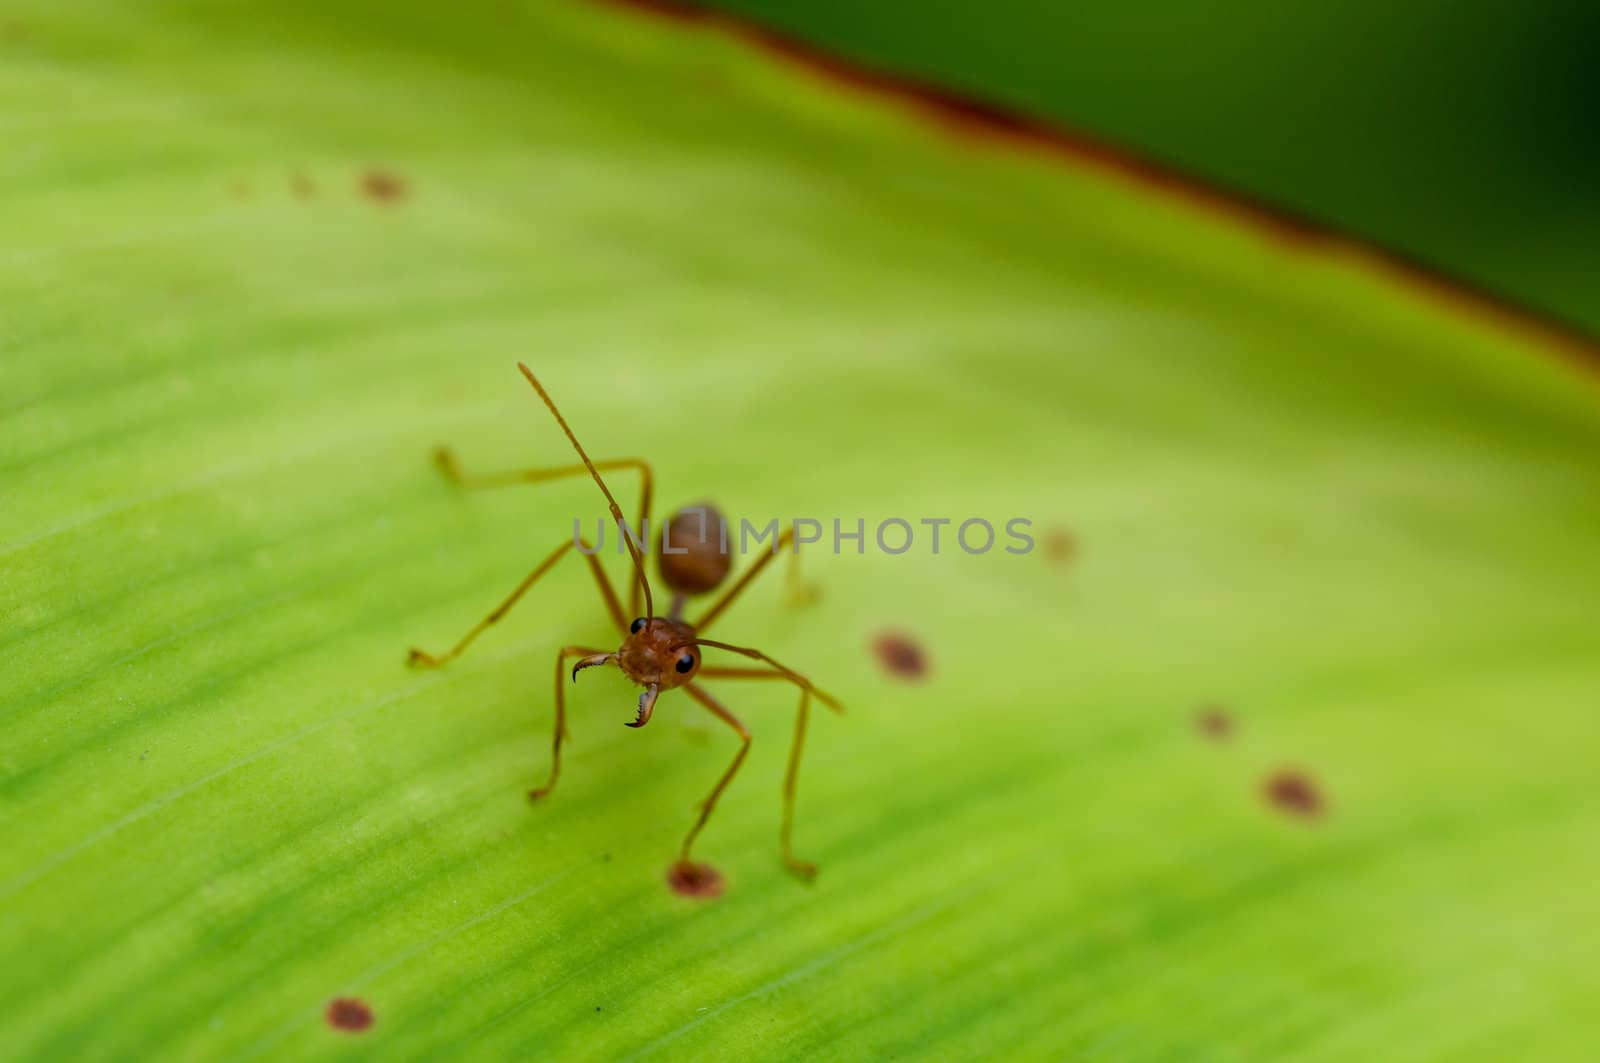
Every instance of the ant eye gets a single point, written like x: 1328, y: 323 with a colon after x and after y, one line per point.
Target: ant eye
x: 686, y: 663
x: 637, y: 626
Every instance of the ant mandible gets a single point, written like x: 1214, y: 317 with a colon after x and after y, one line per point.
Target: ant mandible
x: 659, y: 653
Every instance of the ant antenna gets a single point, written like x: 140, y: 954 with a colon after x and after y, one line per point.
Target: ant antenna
x: 616, y: 510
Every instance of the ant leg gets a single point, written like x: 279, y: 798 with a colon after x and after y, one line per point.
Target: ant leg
x: 791, y: 780
x: 796, y: 590
x: 710, y: 804
x: 799, y: 594
x: 445, y: 458
x: 777, y: 671
x: 427, y: 660
x: 561, y: 715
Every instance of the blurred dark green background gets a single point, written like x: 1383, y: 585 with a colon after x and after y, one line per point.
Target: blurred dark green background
x: 1463, y: 134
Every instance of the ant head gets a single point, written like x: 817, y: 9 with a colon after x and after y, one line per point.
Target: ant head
x: 659, y: 652
x: 695, y: 557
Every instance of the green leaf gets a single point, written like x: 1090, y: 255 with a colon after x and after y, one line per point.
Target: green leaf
x: 1361, y: 522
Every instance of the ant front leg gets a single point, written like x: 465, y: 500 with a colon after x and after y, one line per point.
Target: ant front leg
x: 791, y: 779
x: 421, y: 659
x: 710, y: 804
x: 562, y: 657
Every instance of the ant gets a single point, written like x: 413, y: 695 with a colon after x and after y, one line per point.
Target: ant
x: 659, y: 653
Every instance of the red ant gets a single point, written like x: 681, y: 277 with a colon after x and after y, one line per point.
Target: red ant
x: 658, y: 653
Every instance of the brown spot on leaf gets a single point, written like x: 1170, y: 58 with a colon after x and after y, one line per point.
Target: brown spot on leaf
x: 1060, y: 546
x: 302, y: 186
x: 701, y: 881
x: 381, y: 186
x: 1295, y: 793
x: 900, y: 655
x: 1213, y: 722
x: 349, y: 1014
x: 241, y: 190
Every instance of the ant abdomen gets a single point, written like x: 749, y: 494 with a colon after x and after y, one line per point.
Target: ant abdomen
x: 695, y: 556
